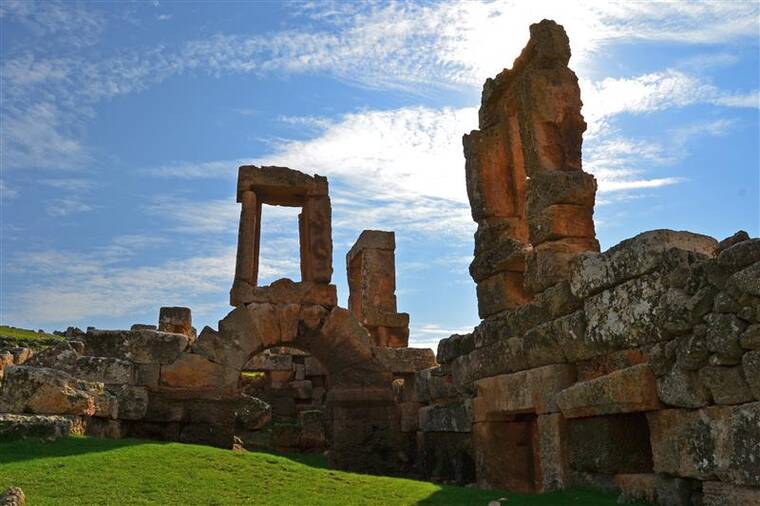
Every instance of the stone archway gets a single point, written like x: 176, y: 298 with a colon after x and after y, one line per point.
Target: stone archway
x: 364, y: 417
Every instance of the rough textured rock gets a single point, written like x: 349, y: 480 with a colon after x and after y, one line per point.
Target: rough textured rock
x: 751, y: 365
x: 252, y: 413
x: 13, y: 496
x: 634, y: 257
x: 552, y: 449
x: 726, y: 384
x: 45, y: 391
x: 625, y: 391
x: 141, y: 346
x: 177, y: 320
x: 682, y: 388
x: 626, y: 316
x: 532, y: 391
x: 715, y: 442
x: 44, y: 427
x: 717, y: 493
x: 636, y: 487
x: 455, y: 417
x: 405, y: 360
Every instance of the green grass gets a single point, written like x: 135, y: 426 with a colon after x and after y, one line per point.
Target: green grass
x: 101, y: 471
x: 13, y: 336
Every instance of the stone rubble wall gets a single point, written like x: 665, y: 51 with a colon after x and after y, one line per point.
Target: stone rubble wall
x: 640, y: 373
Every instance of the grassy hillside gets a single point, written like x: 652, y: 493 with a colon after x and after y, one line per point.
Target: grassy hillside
x: 12, y: 336
x: 101, y: 471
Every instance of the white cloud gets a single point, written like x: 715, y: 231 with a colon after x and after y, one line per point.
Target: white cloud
x: 653, y: 92
x: 67, y: 206
x: 70, y: 23
x: 427, y: 335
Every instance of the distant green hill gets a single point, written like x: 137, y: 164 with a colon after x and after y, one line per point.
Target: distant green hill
x: 13, y: 336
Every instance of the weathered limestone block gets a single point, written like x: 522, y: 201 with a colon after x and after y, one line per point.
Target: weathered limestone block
x: 252, y: 413
x: 502, y: 356
x: 495, y: 175
x: 750, y: 338
x: 141, y: 346
x: 726, y: 384
x: 552, y: 451
x: 691, y: 352
x: 454, y: 417
x: 500, y: 292
x: 549, y: 188
x: 627, y: 315
x: 104, y: 428
x: 624, y: 391
x: 61, y: 356
x: 345, y: 349
x: 504, y: 455
x: 492, y: 233
x: 532, y: 391
x: 132, y: 402
x: 633, y: 257
x: 270, y: 362
x: 405, y: 360
x: 682, y: 388
x: 723, y: 331
x: 716, y: 442
x: 561, y: 221
x: 315, y: 224
x: 285, y: 291
x: 147, y: 375
x: 313, y: 433
x: 46, y: 428
x: 454, y: 346
x: 603, y: 365
x: 196, y: 371
x: 111, y: 371
x: 434, y: 385
x: 560, y: 340
x: 46, y: 391
x: 718, y: 493
x: 676, y: 491
x: 550, y: 263
x: 751, y: 366
x: 177, y: 320
x: 745, y: 283
x: 740, y: 255
x: 506, y: 255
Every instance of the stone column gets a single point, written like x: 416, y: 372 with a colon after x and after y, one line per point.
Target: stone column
x: 247, y: 266
x: 316, y: 240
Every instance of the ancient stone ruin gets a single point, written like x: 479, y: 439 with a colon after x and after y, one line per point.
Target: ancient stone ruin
x: 635, y: 370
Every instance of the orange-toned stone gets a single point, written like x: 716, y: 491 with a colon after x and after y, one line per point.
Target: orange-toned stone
x: 500, y: 292
x: 560, y: 221
x: 624, y: 391
x: 194, y: 371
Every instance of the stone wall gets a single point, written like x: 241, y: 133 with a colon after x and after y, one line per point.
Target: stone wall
x: 634, y: 370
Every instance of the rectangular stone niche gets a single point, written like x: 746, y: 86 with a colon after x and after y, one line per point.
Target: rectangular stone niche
x: 506, y: 453
x: 609, y: 445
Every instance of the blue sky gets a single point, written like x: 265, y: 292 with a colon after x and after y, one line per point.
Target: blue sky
x: 123, y: 125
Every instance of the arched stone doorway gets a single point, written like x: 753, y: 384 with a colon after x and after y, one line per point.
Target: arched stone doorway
x: 363, y: 416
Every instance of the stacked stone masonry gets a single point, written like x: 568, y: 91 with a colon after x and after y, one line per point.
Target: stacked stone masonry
x: 635, y: 370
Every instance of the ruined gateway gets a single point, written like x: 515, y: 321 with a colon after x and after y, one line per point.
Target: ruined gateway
x: 635, y: 370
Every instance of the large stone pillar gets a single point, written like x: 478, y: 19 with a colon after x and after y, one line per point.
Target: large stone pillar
x: 531, y: 200
x: 247, y: 264
x: 371, y: 268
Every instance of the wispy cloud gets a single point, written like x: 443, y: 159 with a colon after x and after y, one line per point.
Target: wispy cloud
x: 68, y: 206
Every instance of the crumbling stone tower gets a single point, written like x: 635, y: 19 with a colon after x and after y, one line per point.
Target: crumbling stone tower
x: 528, y: 193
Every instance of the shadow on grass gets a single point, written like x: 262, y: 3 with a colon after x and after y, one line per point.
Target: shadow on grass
x: 315, y: 460
x: 452, y: 495
x: 31, y: 449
